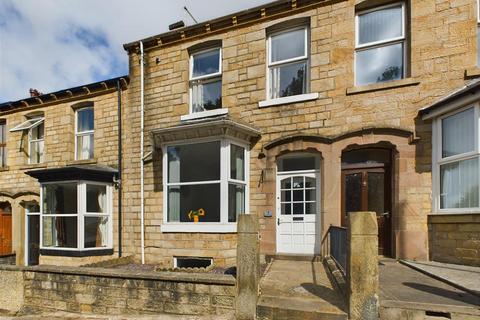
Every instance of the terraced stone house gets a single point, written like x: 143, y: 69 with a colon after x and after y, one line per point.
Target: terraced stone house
x: 59, y: 157
x: 296, y: 111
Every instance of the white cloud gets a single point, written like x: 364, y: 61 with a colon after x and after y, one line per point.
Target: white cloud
x: 55, y: 44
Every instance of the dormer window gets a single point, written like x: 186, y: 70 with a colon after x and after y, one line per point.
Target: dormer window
x: 205, y: 80
x: 35, y: 128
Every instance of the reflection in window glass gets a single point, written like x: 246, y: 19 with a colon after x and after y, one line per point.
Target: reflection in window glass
x: 96, y: 198
x: 194, y: 162
x: 206, y: 96
x: 236, y: 201
x: 96, y: 232
x: 288, y: 45
x: 380, y: 25
x: 379, y: 64
x: 60, y: 232
x: 459, y: 184
x: 206, y: 63
x: 458, y: 133
x: 289, y: 80
x: 237, y: 162
x: 188, y: 201
x: 60, y: 198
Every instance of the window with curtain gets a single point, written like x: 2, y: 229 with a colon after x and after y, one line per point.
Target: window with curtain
x: 458, y: 160
x: 288, y: 63
x: 206, y: 80
x: 76, y: 215
x: 84, y: 133
x: 380, y: 45
x: 3, y: 143
x: 202, y: 179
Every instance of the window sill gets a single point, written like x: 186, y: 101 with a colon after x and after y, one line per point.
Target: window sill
x: 33, y: 166
x: 76, y: 253
x: 473, y: 72
x: 87, y: 161
x: 186, y: 227
x: 204, y: 114
x: 288, y: 100
x: 382, y: 86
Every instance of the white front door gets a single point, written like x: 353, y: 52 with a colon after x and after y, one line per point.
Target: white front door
x: 298, y: 219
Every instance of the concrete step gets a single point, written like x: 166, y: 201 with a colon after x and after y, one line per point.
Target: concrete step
x: 399, y: 310
x: 293, y: 257
x: 283, y: 308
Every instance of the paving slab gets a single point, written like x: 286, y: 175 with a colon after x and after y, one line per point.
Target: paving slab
x: 464, y: 277
x: 302, y: 287
x: 402, y: 286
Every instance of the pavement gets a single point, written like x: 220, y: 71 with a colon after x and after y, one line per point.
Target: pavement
x: 75, y: 316
x: 298, y: 290
x: 402, y: 286
x: 463, y: 277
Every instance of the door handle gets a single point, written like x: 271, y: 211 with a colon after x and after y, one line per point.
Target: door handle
x: 278, y: 221
x: 385, y: 214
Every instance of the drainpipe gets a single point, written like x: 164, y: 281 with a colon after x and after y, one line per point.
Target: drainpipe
x: 142, y: 209
x: 119, y: 117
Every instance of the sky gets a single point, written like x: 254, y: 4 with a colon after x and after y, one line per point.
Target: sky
x: 51, y: 45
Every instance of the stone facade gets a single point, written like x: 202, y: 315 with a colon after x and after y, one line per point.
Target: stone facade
x: 19, y: 189
x: 455, y: 239
x: 441, y: 47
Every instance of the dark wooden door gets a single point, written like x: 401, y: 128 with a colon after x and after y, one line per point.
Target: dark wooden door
x: 368, y: 189
x: 5, y: 233
x: 33, y: 239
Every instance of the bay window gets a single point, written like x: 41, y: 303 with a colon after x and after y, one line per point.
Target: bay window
x: 76, y: 215
x: 380, y: 44
x: 288, y: 63
x: 84, y: 132
x: 206, y: 80
x: 205, y: 184
x: 456, y: 161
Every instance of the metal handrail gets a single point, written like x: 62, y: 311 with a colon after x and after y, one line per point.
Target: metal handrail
x: 334, y: 245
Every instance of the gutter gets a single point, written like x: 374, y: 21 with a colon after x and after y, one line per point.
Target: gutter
x: 142, y: 124
x: 119, y: 119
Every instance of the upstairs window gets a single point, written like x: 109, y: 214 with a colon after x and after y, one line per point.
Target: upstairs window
x: 35, y: 128
x: 288, y: 63
x: 206, y: 80
x: 3, y: 143
x: 84, y: 133
x: 380, y: 45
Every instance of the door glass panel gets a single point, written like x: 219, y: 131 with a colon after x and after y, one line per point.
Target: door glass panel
x: 33, y: 239
x: 309, y: 182
x: 376, y: 192
x: 286, y: 208
x: 286, y: 183
x: 310, y: 194
x: 310, y: 208
x: 286, y: 195
x: 298, y: 195
x: 297, y: 182
x: 298, y: 208
x: 353, y: 192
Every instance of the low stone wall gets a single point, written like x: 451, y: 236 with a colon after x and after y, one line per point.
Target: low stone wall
x: 455, y: 238
x: 107, y: 291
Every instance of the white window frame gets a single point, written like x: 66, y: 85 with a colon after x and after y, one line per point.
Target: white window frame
x: 381, y: 43
x: 437, y: 159
x: 209, y: 227
x: 212, y: 77
x: 306, y: 57
x: 37, y: 141
x: 84, y: 133
x: 81, y: 214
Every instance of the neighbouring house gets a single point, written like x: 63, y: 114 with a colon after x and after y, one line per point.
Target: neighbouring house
x: 296, y: 111
x: 59, y: 157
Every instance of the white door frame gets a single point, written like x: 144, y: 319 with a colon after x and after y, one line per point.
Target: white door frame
x: 303, y: 173
x: 28, y: 214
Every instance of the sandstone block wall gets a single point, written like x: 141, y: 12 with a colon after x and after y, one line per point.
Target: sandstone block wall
x: 90, y: 291
x: 455, y: 238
